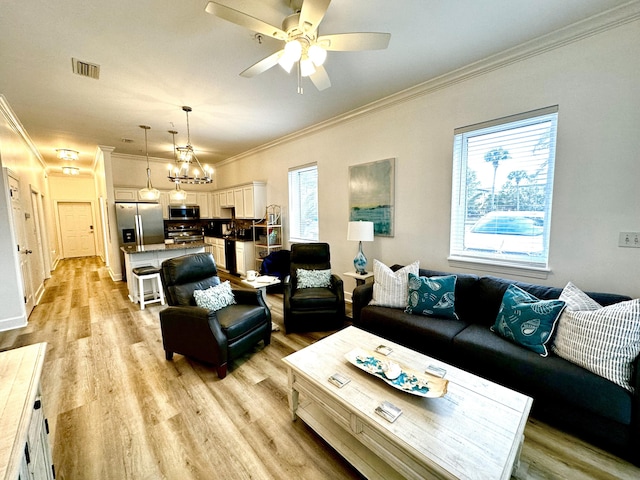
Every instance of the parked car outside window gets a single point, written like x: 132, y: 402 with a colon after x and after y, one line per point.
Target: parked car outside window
x: 507, y: 232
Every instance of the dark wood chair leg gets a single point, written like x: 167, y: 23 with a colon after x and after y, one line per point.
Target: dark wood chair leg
x: 168, y: 355
x: 222, y: 371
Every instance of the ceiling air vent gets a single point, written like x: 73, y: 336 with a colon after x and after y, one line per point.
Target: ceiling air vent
x: 85, y: 69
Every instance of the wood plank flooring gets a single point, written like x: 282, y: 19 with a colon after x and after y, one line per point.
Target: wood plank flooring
x: 118, y: 410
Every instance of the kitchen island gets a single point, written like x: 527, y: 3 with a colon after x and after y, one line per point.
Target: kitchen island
x: 153, y: 255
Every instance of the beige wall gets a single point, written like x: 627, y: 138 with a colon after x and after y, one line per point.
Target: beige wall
x: 596, y: 195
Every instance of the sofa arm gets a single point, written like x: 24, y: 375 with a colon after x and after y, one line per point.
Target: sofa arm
x: 360, y: 298
x: 635, y: 401
x: 194, y: 331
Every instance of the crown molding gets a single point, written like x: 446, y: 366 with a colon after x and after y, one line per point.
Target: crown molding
x: 605, y: 21
x: 11, y: 118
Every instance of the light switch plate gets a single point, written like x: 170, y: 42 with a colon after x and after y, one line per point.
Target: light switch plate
x: 629, y: 239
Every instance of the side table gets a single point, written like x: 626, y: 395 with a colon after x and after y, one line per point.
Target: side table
x: 360, y: 279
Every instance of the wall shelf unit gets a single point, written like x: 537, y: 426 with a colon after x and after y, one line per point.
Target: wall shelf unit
x: 267, y: 234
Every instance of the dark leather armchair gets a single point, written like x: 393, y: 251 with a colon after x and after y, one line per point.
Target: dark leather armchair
x: 211, y: 337
x: 316, y: 308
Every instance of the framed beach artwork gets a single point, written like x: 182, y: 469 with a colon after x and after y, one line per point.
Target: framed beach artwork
x: 371, y: 195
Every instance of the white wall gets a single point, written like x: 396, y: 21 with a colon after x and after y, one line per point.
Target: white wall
x: 596, y: 193
x: 18, y: 154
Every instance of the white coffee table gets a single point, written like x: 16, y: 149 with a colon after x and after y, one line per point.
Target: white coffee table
x: 475, y: 430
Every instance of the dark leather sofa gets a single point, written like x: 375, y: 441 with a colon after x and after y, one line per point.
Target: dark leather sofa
x: 565, y: 395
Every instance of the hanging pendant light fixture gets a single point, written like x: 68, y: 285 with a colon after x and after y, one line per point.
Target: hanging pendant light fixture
x: 177, y: 195
x: 185, y: 158
x: 148, y: 193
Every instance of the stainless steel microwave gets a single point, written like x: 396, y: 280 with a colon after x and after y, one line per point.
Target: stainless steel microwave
x: 184, y: 212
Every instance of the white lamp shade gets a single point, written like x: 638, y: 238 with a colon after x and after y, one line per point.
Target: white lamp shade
x: 360, y: 231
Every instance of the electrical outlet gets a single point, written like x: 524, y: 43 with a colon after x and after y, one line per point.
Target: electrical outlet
x: 629, y: 239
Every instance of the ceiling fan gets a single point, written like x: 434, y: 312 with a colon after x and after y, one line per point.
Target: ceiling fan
x: 303, y: 44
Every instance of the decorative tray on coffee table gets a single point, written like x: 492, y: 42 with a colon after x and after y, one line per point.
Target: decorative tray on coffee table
x: 396, y: 375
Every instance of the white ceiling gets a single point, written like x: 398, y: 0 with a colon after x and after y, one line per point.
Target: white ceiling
x: 157, y: 55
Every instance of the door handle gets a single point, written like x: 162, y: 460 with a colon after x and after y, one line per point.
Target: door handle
x: 27, y: 252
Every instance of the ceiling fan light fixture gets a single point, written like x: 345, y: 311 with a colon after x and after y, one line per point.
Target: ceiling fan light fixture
x: 293, y: 50
x: 317, y: 54
x: 306, y: 67
x: 286, y: 63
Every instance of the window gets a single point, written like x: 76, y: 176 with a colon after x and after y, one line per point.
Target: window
x: 303, y: 203
x: 502, y: 186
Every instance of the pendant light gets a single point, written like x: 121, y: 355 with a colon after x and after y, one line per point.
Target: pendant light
x: 177, y: 195
x: 148, y: 193
x: 185, y: 158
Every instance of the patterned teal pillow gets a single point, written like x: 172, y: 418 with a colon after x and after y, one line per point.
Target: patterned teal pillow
x: 216, y: 297
x: 313, y: 278
x: 526, y: 320
x: 432, y: 296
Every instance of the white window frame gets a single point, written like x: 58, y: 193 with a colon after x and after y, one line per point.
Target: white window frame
x: 302, y: 228
x: 461, y: 215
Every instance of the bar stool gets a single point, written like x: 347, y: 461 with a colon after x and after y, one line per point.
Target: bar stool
x: 140, y: 274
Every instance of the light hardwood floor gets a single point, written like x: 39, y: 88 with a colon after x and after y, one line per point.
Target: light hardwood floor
x: 118, y: 410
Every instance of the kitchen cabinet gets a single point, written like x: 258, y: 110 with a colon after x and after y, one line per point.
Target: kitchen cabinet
x: 192, y: 199
x: 217, y: 250
x: 226, y: 198
x: 211, y: 248
x: 25, y: 452
x: 250, y: 200
x: 123, y: 194
x: 202, y: 199
x: 238, y: 202
x: 164, y: 202
x: 214, y: 204
x: 244, y: 257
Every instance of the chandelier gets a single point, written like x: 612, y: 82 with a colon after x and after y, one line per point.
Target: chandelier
x: 187, y: 168
x: 148, y: 193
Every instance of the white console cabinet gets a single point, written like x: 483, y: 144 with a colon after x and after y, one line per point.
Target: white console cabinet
x: 25, y: 453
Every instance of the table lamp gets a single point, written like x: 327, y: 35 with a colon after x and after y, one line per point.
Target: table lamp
x: 360, y: 232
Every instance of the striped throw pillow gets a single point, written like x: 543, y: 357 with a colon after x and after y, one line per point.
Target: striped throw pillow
x: 604, y: 341
x: 390, y: 288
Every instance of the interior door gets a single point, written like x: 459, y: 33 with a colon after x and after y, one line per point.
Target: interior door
x: 23, y: 249
x: 76, y: 229
x: 34, y: 237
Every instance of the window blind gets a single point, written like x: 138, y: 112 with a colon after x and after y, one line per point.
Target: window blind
x: 502, y: 189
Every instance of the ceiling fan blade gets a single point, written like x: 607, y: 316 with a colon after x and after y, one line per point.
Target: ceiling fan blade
x: 245, y: 20
x: 312, y: 13
x: 263, y: 65
x: 320, y: 78
x: 345, y: 42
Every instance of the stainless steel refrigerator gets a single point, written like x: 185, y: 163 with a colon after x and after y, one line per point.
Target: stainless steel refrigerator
x: 139, y: 224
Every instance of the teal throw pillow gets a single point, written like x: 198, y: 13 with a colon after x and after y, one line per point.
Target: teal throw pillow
x: 526, y: 320
x: 313, y: 278
x: 216, y: 297
x: 432, y: 296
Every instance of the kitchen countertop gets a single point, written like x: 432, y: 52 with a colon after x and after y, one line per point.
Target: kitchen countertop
x: 133, y: 249
x: 231, y: 237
